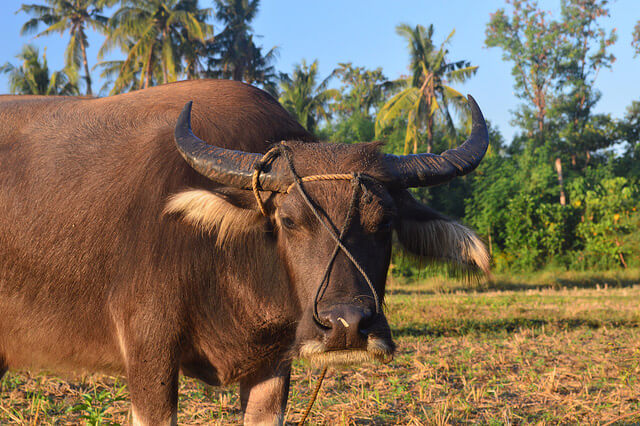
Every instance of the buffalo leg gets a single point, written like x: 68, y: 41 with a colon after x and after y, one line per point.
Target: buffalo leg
x: 3, y: 370
x: 264, y: 396
x: 152, y: 374
x: 154, y: 391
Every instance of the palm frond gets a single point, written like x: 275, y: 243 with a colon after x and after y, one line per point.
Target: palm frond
x: 463, y: 74
x: 73, y: 53
x: 400, y: 104
x: 57, y: 27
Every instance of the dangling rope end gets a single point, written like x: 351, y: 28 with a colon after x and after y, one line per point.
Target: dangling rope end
x: 313, y: 396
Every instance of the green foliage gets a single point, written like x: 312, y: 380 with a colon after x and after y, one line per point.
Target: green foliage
x: 555, y: 64
x: 494, y: 184
x: 306, y: 98
x: 629, y: 132
x: 426, y: 95
x: 233, y: 53
x: 511, y: 200
x: 94, y: 405
x: 360, y: 95
x: 354, y: 128
x: 531, y: 41
x: 362, y: 90
x: 33, y: 76
x: 537, y: 232
x: 584, y: 52
x: 606, y: 208
x: 62, y: 16
x: 151, y: 32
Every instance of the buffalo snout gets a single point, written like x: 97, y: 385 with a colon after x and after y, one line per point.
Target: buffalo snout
x: 349, y: 334
x: 348, y: 326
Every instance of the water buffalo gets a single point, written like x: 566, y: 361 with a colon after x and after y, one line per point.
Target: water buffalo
x: 130, y: 246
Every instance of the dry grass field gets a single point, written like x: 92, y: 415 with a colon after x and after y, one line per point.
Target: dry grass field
x: 544, y: 349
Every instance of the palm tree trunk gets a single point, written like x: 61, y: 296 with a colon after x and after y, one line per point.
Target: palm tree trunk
x: 428, y: 92
x: 165, y: 71
x: 429, y: 134
x: 147, y: 73
x: 83, y: 49
x: 563, y: 198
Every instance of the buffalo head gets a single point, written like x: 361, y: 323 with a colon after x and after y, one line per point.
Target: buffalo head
x: 332, y: 210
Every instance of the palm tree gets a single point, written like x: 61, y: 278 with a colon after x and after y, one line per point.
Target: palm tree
x: 157, y: 28
x: 426, y: 91
x: 33, y: 78
x: 234, y: 53
x: 363, y: 89
x: 303, y: 97
x: 122, y: 78
x: 260, y: 68
x: 73, y: 16
x: 233, y: 42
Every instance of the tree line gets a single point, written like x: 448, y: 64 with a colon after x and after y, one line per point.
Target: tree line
x: 562, y: 194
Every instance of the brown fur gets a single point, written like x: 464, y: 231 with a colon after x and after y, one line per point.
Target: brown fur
x: 116, y: 256
x: 93, y: 274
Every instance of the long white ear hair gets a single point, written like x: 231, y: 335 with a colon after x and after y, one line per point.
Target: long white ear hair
x: 210, y: 213
x: 429, y: 235
x: 444, y: 241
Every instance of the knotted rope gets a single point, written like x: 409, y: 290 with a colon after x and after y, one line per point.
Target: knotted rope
x: 357, y: 182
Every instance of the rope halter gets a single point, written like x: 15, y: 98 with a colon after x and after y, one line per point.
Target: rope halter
x: 357, y: 182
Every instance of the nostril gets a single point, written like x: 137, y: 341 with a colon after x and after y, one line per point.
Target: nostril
x: 349, y: 326
x: 366, y: 321
x: 348, y: 318
x: 323, y: 320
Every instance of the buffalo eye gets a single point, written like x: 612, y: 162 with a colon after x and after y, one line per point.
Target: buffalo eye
x: 287, y: 222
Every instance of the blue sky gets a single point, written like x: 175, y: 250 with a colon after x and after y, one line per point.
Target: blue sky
x: 363, y: 32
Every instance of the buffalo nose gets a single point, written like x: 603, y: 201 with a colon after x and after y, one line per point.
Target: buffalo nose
x: 348, y: 326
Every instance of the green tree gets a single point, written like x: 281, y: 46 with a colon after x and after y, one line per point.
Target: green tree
x: 194, y: 51
x: 362, y: 89
x: 555, y: 64
x: 304, y: 97
x: 74, y: 17
x: 606, y: 207
x: 584, y: 53
x: 534, y: 229
x: 532, y: 42
x: 629, y: 132
x: 151, y: 33
x: 629, y: 127
x: 233, y: 54
x: 32, y: 77
x: 121, y: 79
x: 361, y: 94
x: 427, y: 91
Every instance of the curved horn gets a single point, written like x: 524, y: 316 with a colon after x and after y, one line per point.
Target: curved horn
x: 226, y: 166
x: 415, y: 170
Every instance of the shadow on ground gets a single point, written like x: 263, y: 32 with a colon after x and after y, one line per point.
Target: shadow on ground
x: 463, y: 327
x: 594, y: 282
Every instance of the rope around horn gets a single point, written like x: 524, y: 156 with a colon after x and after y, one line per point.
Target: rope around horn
x: 357, y: 183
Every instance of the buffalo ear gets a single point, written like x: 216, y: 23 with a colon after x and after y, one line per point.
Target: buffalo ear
x: 227, y: 213
x: 428, y: 234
